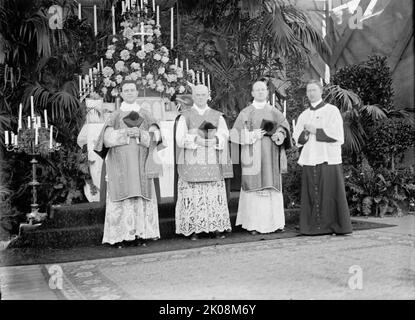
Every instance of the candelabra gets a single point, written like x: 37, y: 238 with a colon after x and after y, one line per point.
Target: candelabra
x: 34, y: 141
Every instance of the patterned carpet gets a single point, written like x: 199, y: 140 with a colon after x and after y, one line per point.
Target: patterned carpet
x: 292, y: 268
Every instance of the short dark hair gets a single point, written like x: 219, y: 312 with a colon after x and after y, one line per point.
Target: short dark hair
x: 128, y: 82
x: 317, y: 82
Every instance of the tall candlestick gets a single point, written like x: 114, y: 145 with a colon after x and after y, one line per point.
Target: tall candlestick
x: 36, y: 136
x: 50, y: 137
x: 158, y: 15
x: 20, y: 125
x: 6, y: 137
x: 95, y: 20
x: 29, y: 121
x: 113, y: 20
x: 79, y: 11
x: 208, y: 81
x: 32, y: 107
x: 187, y: 65
x: 171, y: 28
x: 45, y: 112
x: 203, y: 77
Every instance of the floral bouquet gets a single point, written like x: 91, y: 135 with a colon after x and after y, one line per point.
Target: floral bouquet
x: 137, y: 53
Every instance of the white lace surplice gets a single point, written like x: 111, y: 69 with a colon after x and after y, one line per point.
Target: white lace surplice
x: 262, y: 211
x: 201, y: 207
x: 131, y: 217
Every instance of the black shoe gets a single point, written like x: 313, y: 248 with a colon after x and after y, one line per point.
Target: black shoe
x: 219, y: 235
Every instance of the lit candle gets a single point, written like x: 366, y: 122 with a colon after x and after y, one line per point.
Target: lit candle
x: 293, y: 125
x: 176, y: 62
x: 15, y: 139
x: 36, y: 136
x: 83, y: 84
x: 193, y: 77
x: 6, y: 137
x: 95, y: 20
x: 80, y: 84
x: 285, y: 108
x: 46, y: 117
x: 154, y: 5
x: 32, y: 107
x: 50, y: 137
x: 142, y: 4
x: 208, y: 80
x: 20, y: 125
x: 90, y: 73
x: 181, y: 64
x: 113, y: 20
x: 122, y: 7
x: 102, y: 64
x: 171, y: 28
x: 38, y: 122
x: 203, y: 77
x: 28, y: 122
x: 158, y: 15
x: 198, y: 77
x: 12, y: 138
x: 79, y: 11
x: 187, y: 65
x: 273, y: 99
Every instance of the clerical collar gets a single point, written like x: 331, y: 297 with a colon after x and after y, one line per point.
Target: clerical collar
x: 130, y: 106
x: 317, y: 105
x: 200, y: 110
x: 259, y: 105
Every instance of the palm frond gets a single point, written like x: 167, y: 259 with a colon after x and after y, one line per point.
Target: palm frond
x: 346, y: 99
x: 375, y: 111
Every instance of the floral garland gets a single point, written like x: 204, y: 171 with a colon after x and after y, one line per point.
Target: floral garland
x: 127, y: 58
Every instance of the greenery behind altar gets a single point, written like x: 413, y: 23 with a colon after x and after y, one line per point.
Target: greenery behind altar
x: 235, y: 43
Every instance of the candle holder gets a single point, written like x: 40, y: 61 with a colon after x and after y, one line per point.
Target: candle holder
x: 26, y: 143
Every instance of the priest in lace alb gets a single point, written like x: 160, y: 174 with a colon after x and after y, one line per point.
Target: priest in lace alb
x: 203, y: 162
x: 128, y: 139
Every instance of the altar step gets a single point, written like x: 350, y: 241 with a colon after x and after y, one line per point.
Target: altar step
x: 82, y: 225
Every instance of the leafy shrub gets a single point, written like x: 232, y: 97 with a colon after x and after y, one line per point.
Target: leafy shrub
x: 371, y: 80
x: 388, y: 138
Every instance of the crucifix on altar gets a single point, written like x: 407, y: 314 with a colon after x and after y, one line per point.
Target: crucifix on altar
x: 142, y: 33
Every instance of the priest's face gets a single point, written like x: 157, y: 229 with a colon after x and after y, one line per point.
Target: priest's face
x: 313, y: 92
x: 259, y: 91
x: 129, y: 92
x: 200, y: 95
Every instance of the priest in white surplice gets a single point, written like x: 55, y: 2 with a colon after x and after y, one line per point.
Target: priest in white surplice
x: 264, y: 135
x: 129, y: 136
x: 203, y: 162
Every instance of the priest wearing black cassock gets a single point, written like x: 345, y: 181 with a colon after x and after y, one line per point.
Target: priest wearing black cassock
x: 319, y: 130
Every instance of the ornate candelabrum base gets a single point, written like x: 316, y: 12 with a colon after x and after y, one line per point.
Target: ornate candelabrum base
x: 34, y: 146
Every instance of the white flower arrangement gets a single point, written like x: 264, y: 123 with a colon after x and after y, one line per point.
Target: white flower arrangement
x: 146, y: 63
